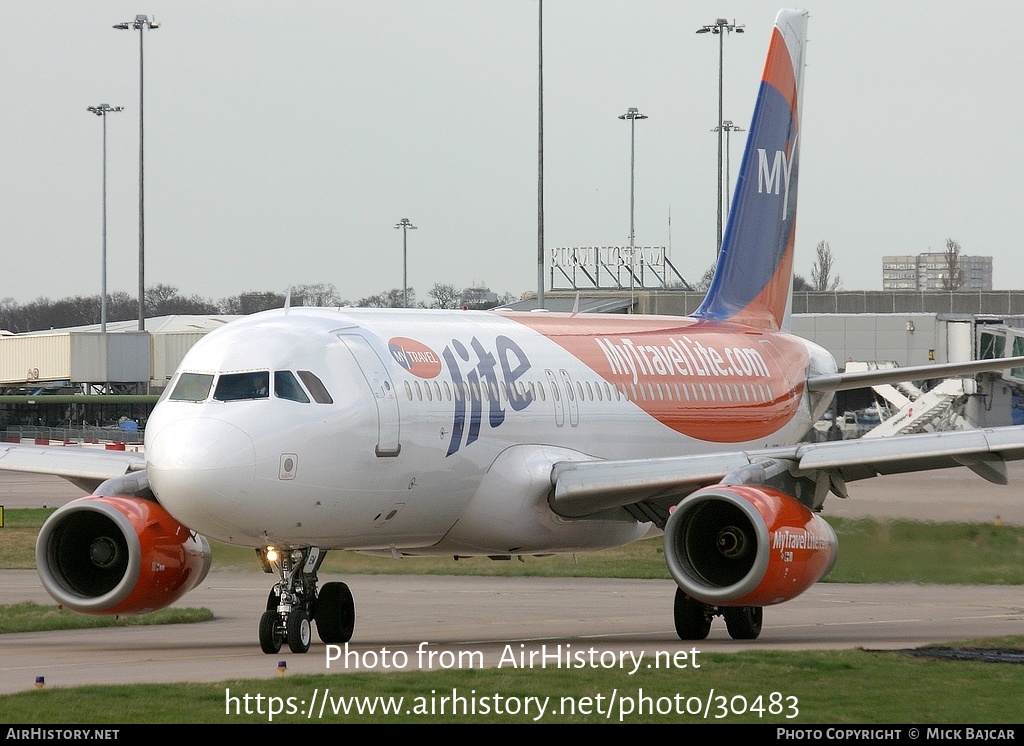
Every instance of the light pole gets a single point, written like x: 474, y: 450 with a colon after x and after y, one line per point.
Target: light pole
x: 406, y: 226
x: 101, y: 111
x: 632, y: 115
x: 729, y: 128
x: 721, y: 26
x: 141, y: 23
x: 540, y: 153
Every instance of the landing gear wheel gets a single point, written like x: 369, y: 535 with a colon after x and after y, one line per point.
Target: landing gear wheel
x: 300, y: 633
x: 693, y: 618
x: 273, y: 599
x: 335, y: 613
x: 270, y: 638
x: 744, y: 622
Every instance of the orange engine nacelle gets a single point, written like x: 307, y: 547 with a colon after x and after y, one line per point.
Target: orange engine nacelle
x: 744, y: 545
x: 118, y: 555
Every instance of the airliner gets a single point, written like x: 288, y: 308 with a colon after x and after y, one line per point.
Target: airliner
x: 408, y: 433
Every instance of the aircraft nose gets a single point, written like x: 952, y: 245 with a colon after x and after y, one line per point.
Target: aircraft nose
x: 195, y: 459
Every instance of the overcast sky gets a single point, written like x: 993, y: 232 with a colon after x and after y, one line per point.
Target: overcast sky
x: 285, y: 140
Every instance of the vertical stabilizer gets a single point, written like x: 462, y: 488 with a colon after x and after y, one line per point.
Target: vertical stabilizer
x: 754, y: 275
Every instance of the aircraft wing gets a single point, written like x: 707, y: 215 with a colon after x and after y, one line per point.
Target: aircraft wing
x: 84, y: 467
x: 865, y: 378
x: 582, y: 488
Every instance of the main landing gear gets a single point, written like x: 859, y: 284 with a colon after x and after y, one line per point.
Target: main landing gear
x: 294, y: 603
x: 693, y: 619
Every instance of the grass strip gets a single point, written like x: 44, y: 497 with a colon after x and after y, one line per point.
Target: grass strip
x: 835, y: 687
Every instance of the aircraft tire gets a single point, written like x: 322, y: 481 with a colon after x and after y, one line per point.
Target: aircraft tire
x: 270, y: 640
x: 335, y: 613
x: 300, y: 632
x: 743, y: 622
x: 693, y: 622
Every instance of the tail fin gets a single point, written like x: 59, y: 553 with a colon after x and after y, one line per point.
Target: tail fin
x: 754, y: 276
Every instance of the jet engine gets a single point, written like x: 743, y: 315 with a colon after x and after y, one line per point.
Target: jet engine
x: 118, y: 555
x: 746, y: 545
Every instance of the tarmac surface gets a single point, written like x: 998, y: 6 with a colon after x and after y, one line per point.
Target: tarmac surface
x: 483, y: 618
x: 474, y: 616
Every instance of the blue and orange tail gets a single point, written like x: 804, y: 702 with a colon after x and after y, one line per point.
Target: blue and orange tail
x: 754, y: 276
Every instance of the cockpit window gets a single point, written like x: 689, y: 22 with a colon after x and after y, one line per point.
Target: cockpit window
x: 192, y: 387
x: 235, y: 386
x: 286, y: 387
x: 316, y: 387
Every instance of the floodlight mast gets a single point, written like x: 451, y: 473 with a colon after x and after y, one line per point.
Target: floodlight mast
x: 406, y: 226
x: 721, y: 26
x: 632, y: 114
x: 141, y: 23
x: 101, y: 111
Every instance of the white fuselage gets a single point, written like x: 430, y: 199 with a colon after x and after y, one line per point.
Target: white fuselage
x: 423, y: 403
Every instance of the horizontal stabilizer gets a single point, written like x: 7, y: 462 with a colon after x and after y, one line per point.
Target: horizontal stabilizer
x: 864, y: 378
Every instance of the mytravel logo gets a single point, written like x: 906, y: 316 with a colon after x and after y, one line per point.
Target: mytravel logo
x: 415, y: 357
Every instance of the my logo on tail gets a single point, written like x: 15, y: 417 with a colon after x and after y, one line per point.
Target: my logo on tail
x: 769, y: 179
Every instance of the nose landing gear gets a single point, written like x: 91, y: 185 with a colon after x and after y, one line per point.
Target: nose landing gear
x: 294, y: 603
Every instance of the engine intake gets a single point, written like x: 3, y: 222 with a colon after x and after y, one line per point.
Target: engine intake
x: 745, y: 545
x: 118, y: 555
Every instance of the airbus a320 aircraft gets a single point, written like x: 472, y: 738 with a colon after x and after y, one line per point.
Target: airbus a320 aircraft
x: 416, y: 432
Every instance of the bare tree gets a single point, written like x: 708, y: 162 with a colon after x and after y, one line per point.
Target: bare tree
x: 821, y: 272
x: 321, y: 294
x: 444, y: 296
x: 387, y: 299
x: 953, y: 279
x: 705, y: 279
x: 166, y: 300
x: 252, y: 301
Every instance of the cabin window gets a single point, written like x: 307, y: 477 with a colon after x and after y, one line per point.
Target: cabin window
x: 238, y: 386
x: 192, y: 387
x: 286, y: 387
x: 316, y: 387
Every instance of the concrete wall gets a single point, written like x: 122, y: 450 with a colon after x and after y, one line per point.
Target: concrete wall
x: 115, y: 358
x: 906, y: 339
